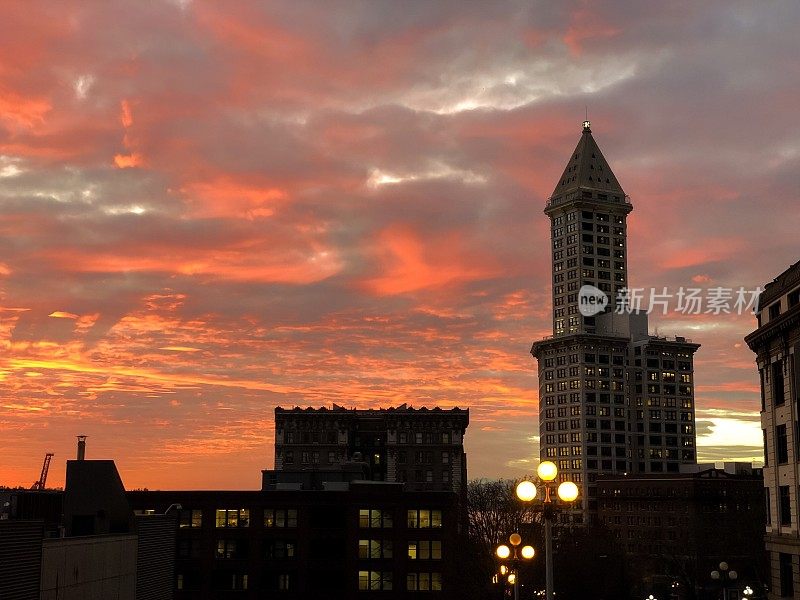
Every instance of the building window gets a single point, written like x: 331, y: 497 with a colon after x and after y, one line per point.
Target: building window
x: 424, y: 519
x: 786, y: 574
x: 233, y: 517
x: 777, y: 383
x: 374, y: 548
x: 781, y: 444
x: 284, y: 582
x: 424, y: 582
x: 280, y: 517
x: 785, y: 505
x: 280, y: 549
x: 189, y: 548
x: 774, y: 311
x: 374, y: 580
x: 374, y: 518
x: 229, y: 549
x: 191, y: 518
x: 768, y: 511
x: 425, y: 550
x: 226, y: 580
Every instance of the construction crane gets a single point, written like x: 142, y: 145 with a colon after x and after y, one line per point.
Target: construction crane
x: 39, y: 485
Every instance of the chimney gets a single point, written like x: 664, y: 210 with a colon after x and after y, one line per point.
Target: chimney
x: 81, y: 447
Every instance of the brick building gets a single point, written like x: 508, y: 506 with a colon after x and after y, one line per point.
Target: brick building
x: 421, y: 447
x: 677, y: 528
x: 355, y: 540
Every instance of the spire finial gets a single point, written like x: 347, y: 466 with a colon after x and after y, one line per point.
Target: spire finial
x: 587, y: 126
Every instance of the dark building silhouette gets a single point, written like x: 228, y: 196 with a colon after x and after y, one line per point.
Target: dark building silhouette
x: 421, y: 447
x: 357, y: 539
x: 613, y: 399
x: 677, y: 528
x: 84, y: 543
x: 776, y: 344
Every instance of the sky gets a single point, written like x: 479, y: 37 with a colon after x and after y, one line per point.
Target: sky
x: 208, y: 210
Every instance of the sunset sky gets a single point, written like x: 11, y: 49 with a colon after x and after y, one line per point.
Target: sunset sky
x: 210, y: 209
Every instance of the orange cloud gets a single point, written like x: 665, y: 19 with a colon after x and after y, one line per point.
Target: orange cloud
x: 224, y: 196
x: 20, y: 112
x: 128, y: 161
x: 58, y: 314
x: 408, y: 264
x: 126, y: 116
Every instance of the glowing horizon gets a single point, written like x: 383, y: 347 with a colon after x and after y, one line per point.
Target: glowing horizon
x: 208, y: 211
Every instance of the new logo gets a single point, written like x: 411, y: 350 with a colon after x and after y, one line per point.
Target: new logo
x: 591, y: 301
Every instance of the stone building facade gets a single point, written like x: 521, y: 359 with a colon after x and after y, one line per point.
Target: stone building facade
x: 776, y: 343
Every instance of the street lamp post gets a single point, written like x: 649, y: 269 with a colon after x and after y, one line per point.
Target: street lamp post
x: 567, y: 492
x: 723, y: 575
x: 515, y: 555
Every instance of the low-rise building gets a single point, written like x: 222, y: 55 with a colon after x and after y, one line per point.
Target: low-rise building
x: 343, y: 541
x: 84, y: 543
x: 677, y: 528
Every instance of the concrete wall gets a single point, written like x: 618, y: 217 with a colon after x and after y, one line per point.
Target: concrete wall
x: 89, y: 568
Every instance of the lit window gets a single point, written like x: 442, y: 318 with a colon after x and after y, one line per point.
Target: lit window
x: 424, y: 519
x: 375, y: 518
x: 280, y: 517
x: 191, y: 518
x: 284, y: 582
x: 233, y: 517
x: 374, y: 580
x: 425, y: 550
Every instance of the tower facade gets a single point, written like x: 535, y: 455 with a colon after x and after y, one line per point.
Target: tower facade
x: 612, y: 398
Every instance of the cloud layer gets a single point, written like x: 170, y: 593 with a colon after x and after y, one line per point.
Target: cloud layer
x: 207, y: 211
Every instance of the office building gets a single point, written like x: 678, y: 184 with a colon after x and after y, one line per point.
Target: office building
x: 420, y: 447
x: 613, y: 399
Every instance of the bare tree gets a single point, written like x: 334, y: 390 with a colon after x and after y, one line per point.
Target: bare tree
x: 494, y: 512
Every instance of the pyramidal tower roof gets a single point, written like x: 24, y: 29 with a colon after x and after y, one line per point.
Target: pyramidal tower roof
x: 588, y: 170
